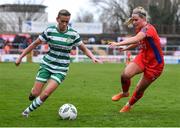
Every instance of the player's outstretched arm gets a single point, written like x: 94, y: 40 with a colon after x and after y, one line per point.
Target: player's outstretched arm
x: 131, y: 40
x: 88, y: 53
x: 129, y: 47
x: 27, y: 50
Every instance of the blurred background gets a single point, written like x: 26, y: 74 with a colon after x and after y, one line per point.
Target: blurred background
x: 97, y: 21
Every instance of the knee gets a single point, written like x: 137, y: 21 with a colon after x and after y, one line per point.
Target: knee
x: 35, y: 92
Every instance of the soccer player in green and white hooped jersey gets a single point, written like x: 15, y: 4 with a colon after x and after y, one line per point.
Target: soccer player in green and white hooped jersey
x: 55, y: 63
x: 57, y: 59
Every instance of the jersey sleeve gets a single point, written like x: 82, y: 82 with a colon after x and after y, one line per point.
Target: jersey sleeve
x: 44, y: 36
x: 77, y: 40
x: 148, y: 31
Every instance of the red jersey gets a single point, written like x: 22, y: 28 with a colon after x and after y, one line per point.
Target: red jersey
x: 150, y: 57
x: 150, y: 47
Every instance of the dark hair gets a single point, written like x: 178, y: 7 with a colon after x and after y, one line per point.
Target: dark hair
x: 64, y: 12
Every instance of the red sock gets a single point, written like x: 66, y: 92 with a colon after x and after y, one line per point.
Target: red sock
x: 135, y: 97
x: 125, y: 84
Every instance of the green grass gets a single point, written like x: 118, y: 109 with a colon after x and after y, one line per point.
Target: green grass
x: 89, y: 87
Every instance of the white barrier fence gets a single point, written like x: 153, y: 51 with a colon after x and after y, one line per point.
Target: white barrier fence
x: 110, y: 55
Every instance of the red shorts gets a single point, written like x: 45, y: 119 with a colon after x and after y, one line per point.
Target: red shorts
x: 152, y: 70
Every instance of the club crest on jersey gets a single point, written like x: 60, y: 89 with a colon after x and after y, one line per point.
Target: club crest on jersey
x: 69, y: 40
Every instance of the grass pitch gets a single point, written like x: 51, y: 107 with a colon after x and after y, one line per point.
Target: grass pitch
x: 89, y: 87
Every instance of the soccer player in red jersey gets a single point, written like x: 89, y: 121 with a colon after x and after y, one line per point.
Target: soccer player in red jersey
x: 149, y: 60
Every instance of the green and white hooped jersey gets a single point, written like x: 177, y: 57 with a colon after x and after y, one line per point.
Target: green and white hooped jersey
x: 57, y: 59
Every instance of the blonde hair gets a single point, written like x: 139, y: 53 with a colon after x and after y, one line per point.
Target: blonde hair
x: 139, y: 11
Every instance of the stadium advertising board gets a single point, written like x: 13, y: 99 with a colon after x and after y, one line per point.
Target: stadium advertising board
x: 35, y: 27
x: 88, y: 28
x: 82, y: 28
x: 11, y: 58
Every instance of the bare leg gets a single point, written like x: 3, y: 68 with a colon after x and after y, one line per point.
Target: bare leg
x: 36, y: 90
x: 138, y: 93
x: 131, y: 70
x: 51, y: 87
x: 142, y: 85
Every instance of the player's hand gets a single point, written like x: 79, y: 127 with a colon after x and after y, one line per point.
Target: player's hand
x: 122, y: 48
x: 112, y: 44
x: 18, y: 61
x: 97, y: 61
